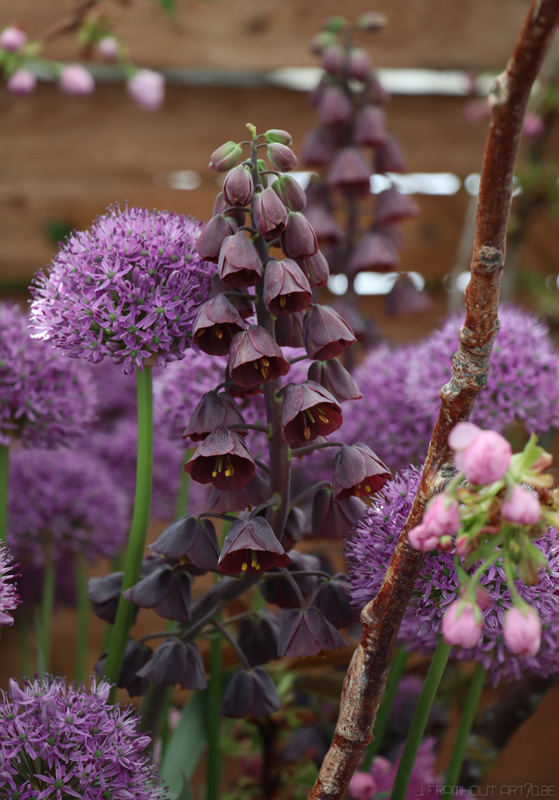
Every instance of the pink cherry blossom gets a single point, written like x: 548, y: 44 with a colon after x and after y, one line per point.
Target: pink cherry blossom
x: 482, y: 456
x: 12, y: 39
x: 76, y: 81
x: 461, y: 624
x: 147, y: 88
x: 522, y: 507
x: 421, y: 539
x: 362, y: 786
x: 22, y: 82
x: 522, y: 630
x: 442, y: 517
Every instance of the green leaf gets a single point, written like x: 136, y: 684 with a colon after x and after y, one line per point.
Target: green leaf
x: 185, y: 748
x: 167, y: 6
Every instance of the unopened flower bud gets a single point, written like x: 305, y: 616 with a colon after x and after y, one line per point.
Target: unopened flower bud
x: 22, y: 82
x: 325, y: 332
x: 12, y: 39
x: 290, y: 193
x: 521, y: 507
x: 522, y: 630
x: 334, y: 376
x: 212, y: 236
x: 420, y: 539
x: 359, y: 64
x: 270, y: 214
x: 462, y: 624
x: 281, y: 156
x: 315, y: 268
x: 108, y: 48
x: 147, y: 89
x: 76, y: 81
x: 277, y: 136
x: 362, y: 786
x: 483, y: 456
x: 237, y: 186
x: 370, y: 127
x: 334, y: 107
x: 298, y: 240
x: 225, y: 157
x: 442, y: 517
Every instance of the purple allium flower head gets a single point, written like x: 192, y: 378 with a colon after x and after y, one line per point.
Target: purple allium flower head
x: 74, y: 507
x: 383, y: 774
x: 9, y: 597
x: 523, y: 378
x: 179, y: 389
x: 63, y: 741
x: 385, y: 419
x: 128, y: 288
x: 45, y: 399
x: 437, y: 587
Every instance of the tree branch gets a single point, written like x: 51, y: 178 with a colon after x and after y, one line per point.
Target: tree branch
x: 368, y: 671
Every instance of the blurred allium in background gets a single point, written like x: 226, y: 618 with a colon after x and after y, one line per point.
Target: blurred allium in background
x: 9, y: 596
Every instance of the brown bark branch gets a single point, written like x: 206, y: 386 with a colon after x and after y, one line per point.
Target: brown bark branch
x: 69, y: 22
x: 368, y: 671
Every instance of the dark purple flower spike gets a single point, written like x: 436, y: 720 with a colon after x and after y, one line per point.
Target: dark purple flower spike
x: 375, y: 252
x: 223, y: 460
x: 307, y: 633
x: 350, y: 172
x: 176, y: 663
x: 308, y: 411
x: 255, y: 358
x: 192, y: 538
x: 370, y: 127
x: 250, y: 693
x: 136, y: 656
x: 251, y: 546
x: 164, y: 590
x: 358, y: 472
x: 325, y: 332
x: 214, y: 409
x: 239, y: 264
x: 286, y: 289
x: 103, y: 594
x: 218, y: 321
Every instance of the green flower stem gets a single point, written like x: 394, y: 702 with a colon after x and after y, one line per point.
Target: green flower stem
x: 82, y: 633
x: 214, y: 719
x: 419, y: 721
x: 24, y: 645
x: 4, y: 466
x: 138, y: 532
x: 44, y: 617
x: 464, y: 728
x: 383, y: 715
x: 184, y: 487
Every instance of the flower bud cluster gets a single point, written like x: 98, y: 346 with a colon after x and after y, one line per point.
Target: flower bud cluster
x: 491, y: 513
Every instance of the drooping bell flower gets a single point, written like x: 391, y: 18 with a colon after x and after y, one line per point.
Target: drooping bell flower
x: 136, y: 655
x: 286, y: 289
x: 225, y: 157
x: 358, y: 472
x: 393, y: 206
x: 359, y: 64
x: 281, y: 157
x: 335, y: 378
x: 370, y: 127
x: 315, y: 268
x: 213, y: 409
x: 324, y: 224
x: 104, y: 593
x: 335, y: 519
x: 223, y: 460
x: 239, y: 264
x: 308, y: 411
x: 164, y: 590
x: 350, y: 172
x: 258, y: 639
x: 237, y: 186
x: 307, y: 633
x: 390, y: 158
x: 175, y: 662
x: 280, y: 592
x: 212, y: 236
x: 325, y: 332
x: 218, y: 321
x: 270, y: 214
x: 290, y: 193
x: 298, y: 240
x: 332, y: 599
x: 255, y: 358
x: 375, y: 252
x: 250, y: 693
x: 334, y: 107
x: 251, y: 546
x: 317, y: 149
x: 192, y: 538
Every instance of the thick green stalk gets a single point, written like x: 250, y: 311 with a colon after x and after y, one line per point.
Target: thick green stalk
x: 214, y: 719
x: 419, y: 721
x: 381, y: 723
x: 4, y: 467
x: 466, y: 722
x: 138, y: 532
x: 44, y: 617
x: 184, y: 487
x: 82, y: 607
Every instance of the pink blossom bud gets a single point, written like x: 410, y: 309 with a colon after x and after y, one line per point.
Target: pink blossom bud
x: 147, y: 89
x: 108, y: 48
x: 362, y: 786
x: 76, y: 81
x: 22, y: 82
x: 420, y: 538
x: 12, y: 39
x: 462, y: 624
x: 521, y: 507
x: 482, y: 598
x: 522, y: 630
x: 482, y: 456
x: 371, y: 21
x: 442, y: 517
x: 533, y: 125
x: 463, y: 545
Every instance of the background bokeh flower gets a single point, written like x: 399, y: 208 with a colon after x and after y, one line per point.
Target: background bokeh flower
x: 9, y: 596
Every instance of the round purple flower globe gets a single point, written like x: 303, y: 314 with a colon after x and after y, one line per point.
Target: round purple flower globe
x: 45, y: 399
x: 386, y: 419
x: 523, y: 378
x: 63, y: 741
x: 73, y: 508
x: 9, y: 597
x: 128, y: 288
x: 370, y: 550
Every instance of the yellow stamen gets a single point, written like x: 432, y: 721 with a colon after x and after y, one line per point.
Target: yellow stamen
x: 322, y: 418
x: 227, y: 473
x: 219, y: 333
x: 265, y: 372
x: 307, y: 433
x: 214, y: 474
x: 264, y: 362
x: 244, y: 567
x: 368, y: 488
x: 282, y: 301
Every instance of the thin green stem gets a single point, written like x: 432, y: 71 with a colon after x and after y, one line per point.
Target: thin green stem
x: 419, y: 721
x: 82, y: 633
x: 4, y: 472
x: 464, y: 728
x: 44, y: 617
x: 138, y: 532
x: 383, y: 715
x: 184, y: 487
x: 24, y: 645
x: 214, y: 719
